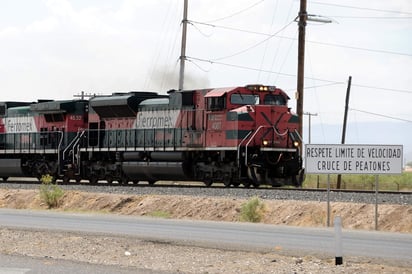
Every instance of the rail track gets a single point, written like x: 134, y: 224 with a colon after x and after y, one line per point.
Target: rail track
x: 217, y: 190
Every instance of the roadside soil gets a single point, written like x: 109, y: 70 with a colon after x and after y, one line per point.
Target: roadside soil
x: 392, y: 218
x: 138, y: 254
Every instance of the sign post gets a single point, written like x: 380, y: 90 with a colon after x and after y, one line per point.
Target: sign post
x: 352, y: 159
x: 376, y: 201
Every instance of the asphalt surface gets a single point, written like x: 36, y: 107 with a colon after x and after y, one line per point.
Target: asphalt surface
x: 242, y: 236
x: 27, y: 265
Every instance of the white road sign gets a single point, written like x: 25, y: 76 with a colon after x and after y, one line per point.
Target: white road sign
x: 353, y: 159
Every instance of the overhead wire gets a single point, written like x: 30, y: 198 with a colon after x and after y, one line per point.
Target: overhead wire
x: 254, y: 69
x: 382, y: 88
x: 307, y: 41
x: 324, y: 85
x: 370, y: 17
x: 254, y: 45
x: 275, y: 56
x: 360, y: 48
x: 171, y: 66
x: 269, y: 36
x: 237, y: 12
x: 381, y: 115
x: 197, y: 65
x: 285, y: 57
x: 160, y: 41
x: 328, y: 81
x: 359, y: 8
x: 267, y: 44
x: 316, y: 94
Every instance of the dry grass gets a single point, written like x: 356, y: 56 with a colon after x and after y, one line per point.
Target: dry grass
x: 395, y: 218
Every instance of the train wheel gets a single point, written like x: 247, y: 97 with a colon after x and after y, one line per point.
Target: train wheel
x: 151, y: 182
x: 135, y: 182
x: 207, y: 182
x: 247, y: 183
x: 254, y: 176
x: 300, y: 178
x: 227, y: 182
x: 93, y: 180
x: 5, y: 179
x: 124, y: 181
x: 109, y: 179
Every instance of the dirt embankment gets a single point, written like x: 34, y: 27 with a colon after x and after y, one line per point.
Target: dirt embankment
x: 394, y: 218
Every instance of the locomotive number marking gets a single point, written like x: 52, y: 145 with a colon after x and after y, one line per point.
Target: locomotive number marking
x: 215, y: 117
x: 75, y: 117
x: 217, y: 125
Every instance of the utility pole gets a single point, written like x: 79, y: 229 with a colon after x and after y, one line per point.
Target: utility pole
x: 183, y: 46
x: 83, y: 95
x: 310, y: 124
x: 345, y: 118
x: 303, y: 18
x: 301, y: 65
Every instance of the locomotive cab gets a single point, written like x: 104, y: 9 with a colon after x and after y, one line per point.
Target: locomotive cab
x: 256, y: 122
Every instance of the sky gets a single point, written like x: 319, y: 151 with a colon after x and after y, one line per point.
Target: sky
x: 55, y: 49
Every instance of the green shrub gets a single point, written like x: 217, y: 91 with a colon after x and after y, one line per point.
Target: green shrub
x: 50, y: 193
x: 252, y: 210
x: 159, y: 214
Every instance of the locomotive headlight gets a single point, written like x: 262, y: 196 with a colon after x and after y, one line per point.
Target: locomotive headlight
x: 295, y: 138
x: 265, y: 142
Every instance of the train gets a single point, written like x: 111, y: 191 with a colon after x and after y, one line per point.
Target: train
x: 237, y: 136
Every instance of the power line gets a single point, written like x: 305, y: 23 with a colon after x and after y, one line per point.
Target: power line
x: 360, y: 48
x: 324, y: 85
x: 388, y: 89
x: 228, y: 28
x: 382, y: 115
x: 237, y: 12
x: 307, y: 41
x: 359, y: 8
x: 255, y: 45
x: 370, y: 17
x: 330, y: 82
x: 255, y: 69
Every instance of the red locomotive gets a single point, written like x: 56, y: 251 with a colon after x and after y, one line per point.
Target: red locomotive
x: 238, y: 135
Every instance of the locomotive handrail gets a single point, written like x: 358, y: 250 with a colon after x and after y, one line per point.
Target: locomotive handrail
x: 59, y: 148
x: 76, y: 147
x: 238, y: 148
x: 69, y: 146
x: 250, y: 140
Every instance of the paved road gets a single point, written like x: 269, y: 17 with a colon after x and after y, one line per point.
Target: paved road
x: 217, y: 234
x: 28, y: 265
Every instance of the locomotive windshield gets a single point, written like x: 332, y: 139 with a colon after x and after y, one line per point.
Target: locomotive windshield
x: 244, y: 99
x: 272, y: 99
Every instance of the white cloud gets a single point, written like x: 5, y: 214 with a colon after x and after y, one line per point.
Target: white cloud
x: 9, y: 32
x: 61, y: 8
x: 44, y: 26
